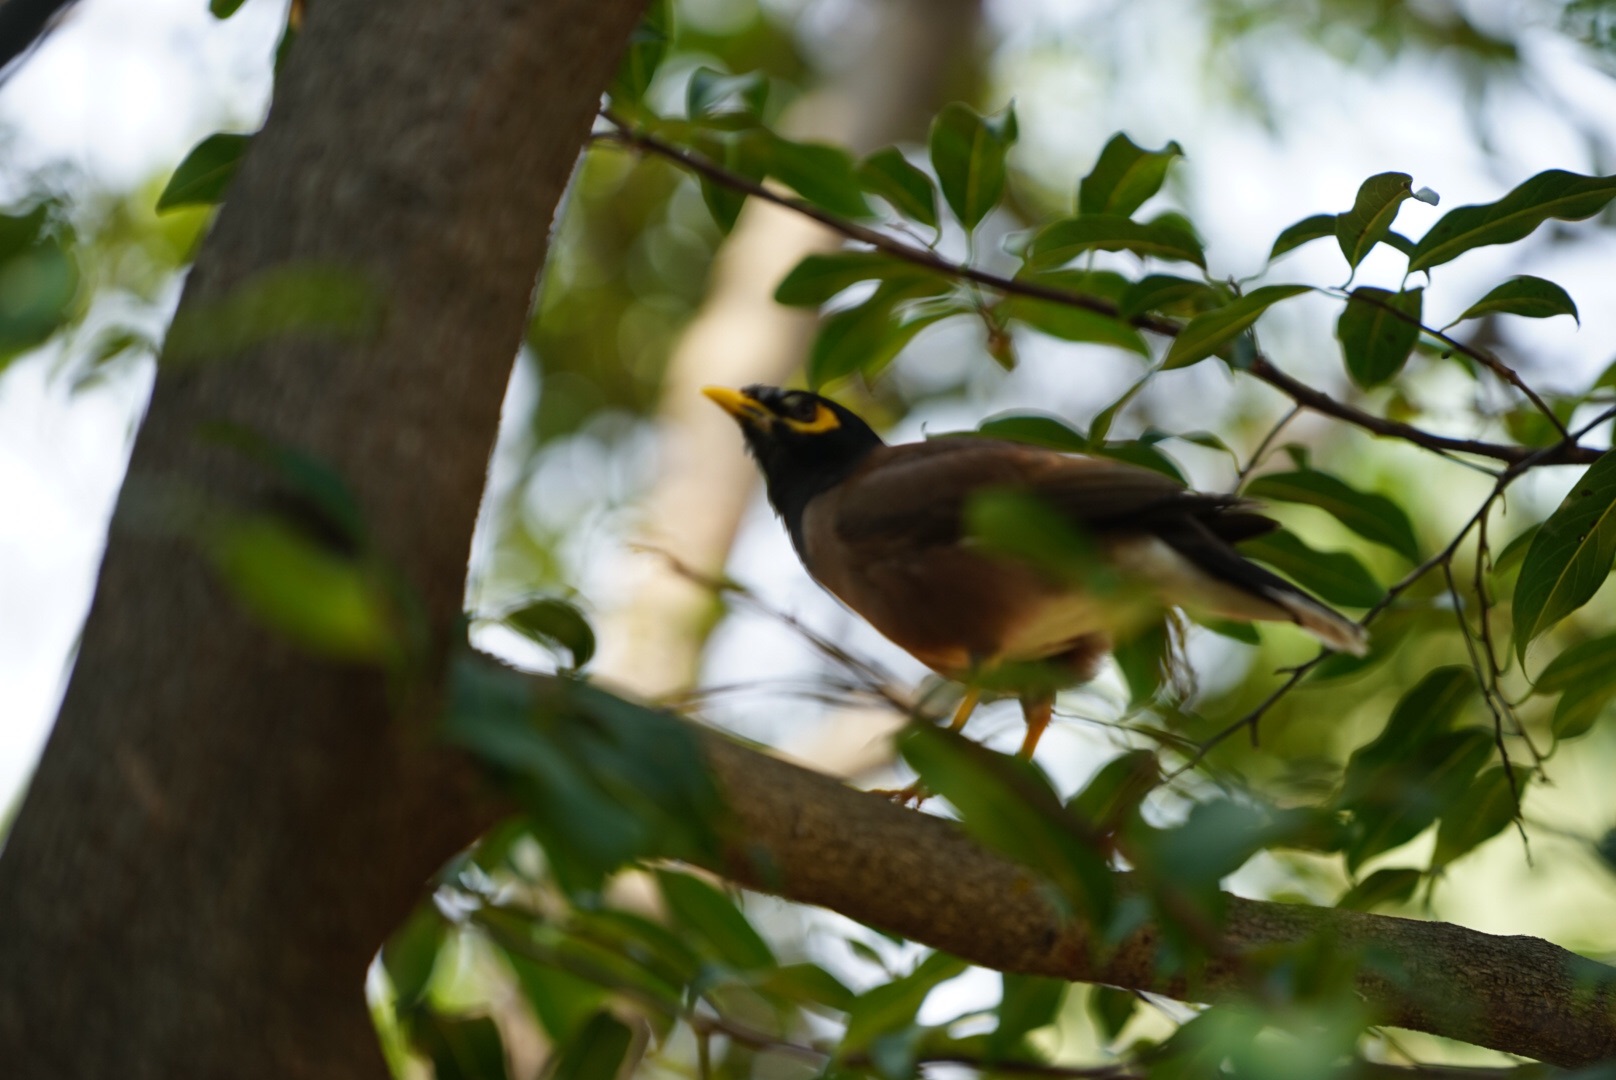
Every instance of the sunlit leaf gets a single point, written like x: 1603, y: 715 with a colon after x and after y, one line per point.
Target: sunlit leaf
x: 201, y: 179
x: 1124, y: 177
x: 967, y: 153
x: 1532, y: 297
x: 1373, y: 517
x: 1393, y: 885
x: 1366, y: 224
x: 889, y: 175
x: 1065, y: 240
x: 1378, y: 330
x: 1336, y: 577
x: 1555, y: 194
x: 554, y: 623
x: 1481, y: 812
x: 1570, y: 556
x: 1206, y: 334
x: 1305, y: 231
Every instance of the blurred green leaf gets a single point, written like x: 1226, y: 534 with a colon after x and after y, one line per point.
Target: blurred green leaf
x: 1578, y: 709
x: 1427, y: 709
x: 715, y: 920
x: 1305, y: 231
x: 1115, y: 793
x: 460, y: 1047
x: 201, y: 179
x: 1035, y: 430
x: 1378, y: 330
x: 866, y: 337
x: 411, y: 952
x: 714, y: 94
x: 821, y: 173
x: 39, y: 283
x: 1532, y: 297
x: 1570, y: 556
x: 1062, y: 241
x: 1111, y: 1009
x: 1021, y: 526
x: 1374, y: 517
x: 1143, y: 659
x: 1124, y: 177
x: 1393, y: 885
x: 1027, y: 1004
x: 746, y: 154
x: 554, y: 624
x: 647, y: 47
x: 306, y: 301
x: 1481, y: 812
x: 1211, y: 331
x: 892, y: 1006
x: 818, y: 278
x: 223, y: 9
x: 1583, y: 666
x: 1069, y: 323
x: 887, y: 174
x: 1167, y: 294
x: 1336, y: 577
x: 1554, y: 194
x: 597, y: 1052
x: 806, y: 984
x: 562, y: 1001
x: 1370, y: 219
x: 967, y: 153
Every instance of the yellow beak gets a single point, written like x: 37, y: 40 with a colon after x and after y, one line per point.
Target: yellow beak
x: 742, y: 408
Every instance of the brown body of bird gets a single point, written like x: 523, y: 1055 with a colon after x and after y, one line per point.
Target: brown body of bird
x: 885, y: 529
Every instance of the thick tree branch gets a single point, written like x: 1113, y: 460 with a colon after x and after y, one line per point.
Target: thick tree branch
x: 807, y: 838
x: 1261, y: 367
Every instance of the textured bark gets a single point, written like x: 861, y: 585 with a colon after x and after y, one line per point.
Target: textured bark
x: 810, y: 839
x: 223, y: 828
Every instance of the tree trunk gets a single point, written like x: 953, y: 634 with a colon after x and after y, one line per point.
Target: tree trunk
x: 223, y: 828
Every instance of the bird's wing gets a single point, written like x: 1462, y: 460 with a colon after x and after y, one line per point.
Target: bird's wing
x: 917, y: 493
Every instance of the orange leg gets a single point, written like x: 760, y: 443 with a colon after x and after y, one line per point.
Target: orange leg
x: 1038, y: 712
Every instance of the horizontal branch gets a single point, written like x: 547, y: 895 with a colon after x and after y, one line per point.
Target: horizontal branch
x: 1262, y: 368
x: 810, y: 839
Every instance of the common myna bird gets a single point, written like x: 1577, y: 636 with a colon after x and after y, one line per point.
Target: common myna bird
x: 884, y: 528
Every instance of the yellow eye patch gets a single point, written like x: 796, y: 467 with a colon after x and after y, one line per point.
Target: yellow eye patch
x: 824, y: 420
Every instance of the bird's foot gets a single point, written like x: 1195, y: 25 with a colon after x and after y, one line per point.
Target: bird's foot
x: 913, y: 794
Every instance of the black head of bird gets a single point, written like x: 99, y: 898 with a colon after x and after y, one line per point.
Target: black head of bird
x: 886, y: 530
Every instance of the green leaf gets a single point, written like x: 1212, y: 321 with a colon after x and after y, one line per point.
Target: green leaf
x: 866, y: 338
x: 1556, y: 194
x: 1027, y: 1004
x: 1532, y: 297
x: 1393, y: 885
x: 1582, y: 666
x: 647, y: 47
x: 1373, y: 517
x: 1427, y: 709
x: 806, y: 984
x: 1035, y: 430
x: 1062, y: 241
x: 460, y: 1047
x: 818, y: 278
x: 201, y: 179
x: 887, y: 174
x: 715, y: 920
x: 1372, y: 213
x: 1305, y: 231
x: 1570, y: 556
x: 597, y: 1052
x: 967, y: 154
x: 1481, y: 812
x: 711, y: 94
x: 223, y: 9
x: 820, y: 173
x: 39, y: 282
x: 1336, y: 577
x: 1378, y: 330
x: 1167, y: 294
x: 1124, y: 177
x: 411, y: 952
x: 1578, y: 709
x: 554, y: 623
x: 1069, y: 323
x: 744, y: 154
x: 1111, y: 1009
x: 563, y: 1002
x: 892, y: 1006
x: 1403, y: 798
x: 1207, y: 333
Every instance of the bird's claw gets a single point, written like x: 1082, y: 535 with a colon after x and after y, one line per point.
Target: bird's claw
x: 915, y: 794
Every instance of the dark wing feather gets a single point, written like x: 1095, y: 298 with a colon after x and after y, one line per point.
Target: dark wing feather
x: 916, y: 493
